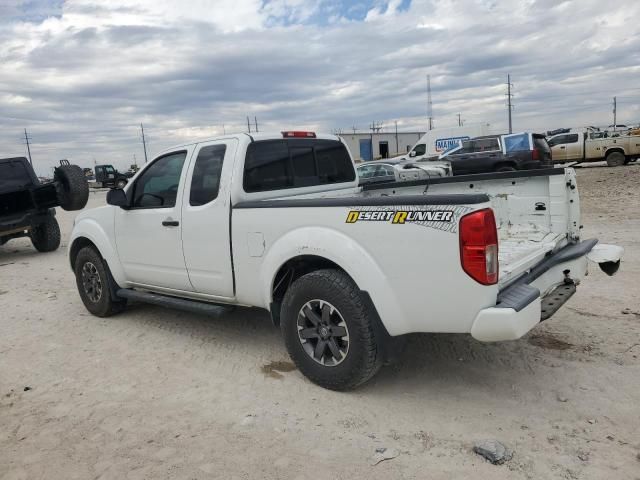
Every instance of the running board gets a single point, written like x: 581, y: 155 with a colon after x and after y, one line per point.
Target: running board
x: 167, y: 301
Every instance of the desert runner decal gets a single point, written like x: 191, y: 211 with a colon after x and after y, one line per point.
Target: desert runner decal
x: 441, y: 217
x: 400, y: 216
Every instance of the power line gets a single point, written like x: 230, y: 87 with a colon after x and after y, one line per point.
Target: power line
x: 26, y: 139
x: 509, y: 104
x: 144, y: 144
x: 429, y: 103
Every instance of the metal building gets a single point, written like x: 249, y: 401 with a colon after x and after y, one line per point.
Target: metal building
x: 372, y: 146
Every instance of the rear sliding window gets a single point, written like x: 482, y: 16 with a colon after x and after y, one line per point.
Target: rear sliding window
x: 282, y: 164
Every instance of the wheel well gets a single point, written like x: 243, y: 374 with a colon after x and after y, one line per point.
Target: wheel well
x: 505, y: 164
x: 289, y: 272
x: 614, y: 150
x: 77, y: 245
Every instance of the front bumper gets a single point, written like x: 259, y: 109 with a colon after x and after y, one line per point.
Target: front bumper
x: 519, y: 306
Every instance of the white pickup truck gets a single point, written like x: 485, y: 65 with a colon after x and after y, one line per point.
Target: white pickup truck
x: 594, y: 146
x: 280, y: 222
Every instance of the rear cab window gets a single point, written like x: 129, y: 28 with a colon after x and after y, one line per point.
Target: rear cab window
x: 295, y: 163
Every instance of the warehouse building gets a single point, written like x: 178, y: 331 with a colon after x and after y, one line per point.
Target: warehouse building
x: 371, y: 146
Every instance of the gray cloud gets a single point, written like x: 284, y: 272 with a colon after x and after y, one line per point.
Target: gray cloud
x: 83, y: 80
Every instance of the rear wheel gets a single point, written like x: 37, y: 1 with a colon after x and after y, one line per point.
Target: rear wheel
x: 93, y: 284
x: 121, y: 183
x: 72, y: 187
x: 328, y: 330
x: 45, y: 236
x: 615, y: 159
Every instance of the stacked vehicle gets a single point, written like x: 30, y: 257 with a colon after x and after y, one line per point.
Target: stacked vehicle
x: 27, y: 207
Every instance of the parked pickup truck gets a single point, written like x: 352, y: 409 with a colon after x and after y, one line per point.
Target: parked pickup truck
x: 280, y: 222
x: 594, y: 147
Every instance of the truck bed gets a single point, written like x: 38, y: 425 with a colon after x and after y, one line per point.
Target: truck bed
x: 537, y: 212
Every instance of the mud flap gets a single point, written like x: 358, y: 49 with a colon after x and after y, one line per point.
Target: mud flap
x: 552, y: 302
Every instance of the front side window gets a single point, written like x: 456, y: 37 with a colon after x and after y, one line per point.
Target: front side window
x: 420, y: 149
x: 559, y: 140
x: 205, y: 181
x: 157, y: 186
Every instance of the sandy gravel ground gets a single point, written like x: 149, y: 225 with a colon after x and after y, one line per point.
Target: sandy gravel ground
x: 155, y: 394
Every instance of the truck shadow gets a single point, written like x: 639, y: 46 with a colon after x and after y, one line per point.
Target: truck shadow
x: 443, y: 361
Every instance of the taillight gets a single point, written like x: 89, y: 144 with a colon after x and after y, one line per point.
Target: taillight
x: 479, y: 246
x: 535, y: 154
x: 298, y: 134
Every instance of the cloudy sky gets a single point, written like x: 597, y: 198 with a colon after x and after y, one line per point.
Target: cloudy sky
x: 81, y: 75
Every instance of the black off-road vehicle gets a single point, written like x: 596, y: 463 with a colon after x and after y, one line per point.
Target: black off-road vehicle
x: 107, y: 176
x: 27, y: 207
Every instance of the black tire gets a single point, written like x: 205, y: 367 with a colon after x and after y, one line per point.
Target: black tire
x: 615, y: 159
x: 505, y: 168
x: 71, y: 187
x: 121, y: 183
x: 93, y: 284
x: 45, y: 237
x: 359, y: 357
x: 3, y: 240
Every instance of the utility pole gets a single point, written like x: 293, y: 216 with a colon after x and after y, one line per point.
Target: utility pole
x: 460, y: 121
x: 509, y: 104
x: 354, y: 129
x: 144, y: 143
x: 26, y: 139
x: 224, y: 130
x: 374, y: 127
x: 397, y: 137
x: 429, y: 103
x: 256, y: 120
x: 248, y: 124
x: 614, y: 114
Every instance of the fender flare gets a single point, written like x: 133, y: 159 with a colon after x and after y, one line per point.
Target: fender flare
x: 348, y: 255
x: 93, y: 231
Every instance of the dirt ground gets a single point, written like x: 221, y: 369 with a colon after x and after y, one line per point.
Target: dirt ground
x: 154, y: 393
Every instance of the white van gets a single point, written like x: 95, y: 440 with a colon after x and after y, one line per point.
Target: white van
x: 438, y: 140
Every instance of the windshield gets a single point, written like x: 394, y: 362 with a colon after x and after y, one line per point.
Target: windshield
x: 14, y: 175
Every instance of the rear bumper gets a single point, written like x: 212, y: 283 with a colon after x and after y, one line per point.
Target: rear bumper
x: 518, y: 307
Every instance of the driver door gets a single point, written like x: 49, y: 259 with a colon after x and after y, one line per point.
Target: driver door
x: 149, y: 234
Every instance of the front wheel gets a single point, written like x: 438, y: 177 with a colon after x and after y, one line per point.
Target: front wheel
x: 93, y: 284
x: 328, y: 330
x: 45, y: 236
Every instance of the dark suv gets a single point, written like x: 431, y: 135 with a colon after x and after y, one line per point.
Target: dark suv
x: 27, y: 206
x: 499, y: 153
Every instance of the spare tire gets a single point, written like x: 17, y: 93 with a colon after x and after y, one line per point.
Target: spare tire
x: 71, y: 187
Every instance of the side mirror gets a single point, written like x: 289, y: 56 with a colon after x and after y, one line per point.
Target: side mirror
x: 412, y: 153
x: 117, y: 198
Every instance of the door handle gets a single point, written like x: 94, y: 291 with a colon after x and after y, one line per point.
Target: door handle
x: 170, y: 223
x: 562, y: 148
